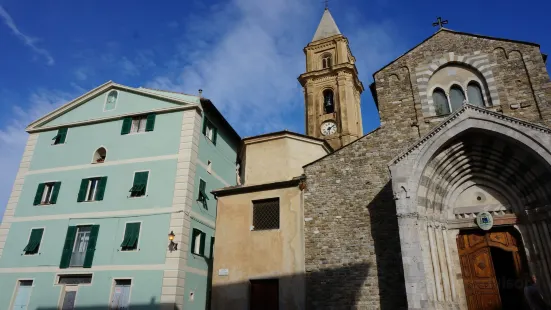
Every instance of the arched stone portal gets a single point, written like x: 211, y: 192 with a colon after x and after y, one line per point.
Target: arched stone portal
x: 474, y: 161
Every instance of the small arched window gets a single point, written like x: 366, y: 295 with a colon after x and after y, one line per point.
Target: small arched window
x: 457, y: 97
x: 441, y: 105
x: 99, y: 155
x: 474, y: 93
x: 111, y: 101
x: 326, y: 61
x: 328, y: 102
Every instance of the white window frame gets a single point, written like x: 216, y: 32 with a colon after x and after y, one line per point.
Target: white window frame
x: 88, y: 188
x: 209, y: 166
x: 107, y: 97
x: 29, y: 238
x: 209, y: 131
x: 138, y: 242
x: 197, y: 249
x: 113, y: 285
x: 96, y: 151
x: 44, y: 201
x: 139, y: 129
x: 16, y: 289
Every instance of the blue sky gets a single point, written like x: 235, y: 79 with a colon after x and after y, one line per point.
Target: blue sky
x: 244, y: 54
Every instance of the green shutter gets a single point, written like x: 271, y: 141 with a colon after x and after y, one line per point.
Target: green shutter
x: 140, y: 183
x: 202, y: 245
x: 101, y: 188
x: 62, y: 135
x: 82, y: 190
x: 55, y: 193
x: 126, y: 125
x: 68, y: 247
x: 34, y: 241
x: 150, y: 124
x: 214, y: 134
x: 131, y: 235
x: 39, y: 193
x: 205, y: 121
x: 194, y: 233
x: 91, y: 249
x: 211, y: 248
x: 202, y: 191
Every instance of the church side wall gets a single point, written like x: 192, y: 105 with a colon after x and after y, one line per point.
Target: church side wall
x: 352, y: 243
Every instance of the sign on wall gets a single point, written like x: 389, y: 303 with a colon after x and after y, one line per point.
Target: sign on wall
x: 484, y: 220
x: 223, y: 272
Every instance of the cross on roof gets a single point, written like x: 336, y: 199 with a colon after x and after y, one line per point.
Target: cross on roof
x: 326, y: 4
x: 440, y: 22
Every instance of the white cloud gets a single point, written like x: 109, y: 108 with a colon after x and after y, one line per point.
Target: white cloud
x: 81, y: 74
x: 13, y: 136
x: 27, y: 40
x: 248, y: 54
x: 128, y: 67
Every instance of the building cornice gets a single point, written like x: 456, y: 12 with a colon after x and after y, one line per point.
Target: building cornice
x: 94, y: 93
x: 243, y: 189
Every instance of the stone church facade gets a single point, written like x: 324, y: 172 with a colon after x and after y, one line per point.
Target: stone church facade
x: 390, y: 218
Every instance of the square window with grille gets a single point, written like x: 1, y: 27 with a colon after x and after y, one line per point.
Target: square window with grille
x: 266, y: 214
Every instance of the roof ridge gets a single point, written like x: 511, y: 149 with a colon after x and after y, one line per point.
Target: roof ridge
x: 168, y: 91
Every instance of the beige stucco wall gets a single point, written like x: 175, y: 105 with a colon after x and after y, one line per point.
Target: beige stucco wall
x: 279, y: 158
x: 258, y: 254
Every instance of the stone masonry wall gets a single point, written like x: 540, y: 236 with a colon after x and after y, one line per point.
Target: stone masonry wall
x: 352, y: 244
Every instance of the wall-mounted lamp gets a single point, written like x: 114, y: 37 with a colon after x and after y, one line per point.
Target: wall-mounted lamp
x: 172, y: 246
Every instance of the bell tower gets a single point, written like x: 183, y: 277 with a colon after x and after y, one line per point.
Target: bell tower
x: 331, y: 86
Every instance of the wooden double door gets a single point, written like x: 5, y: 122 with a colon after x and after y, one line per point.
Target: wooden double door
x: 492, y: 264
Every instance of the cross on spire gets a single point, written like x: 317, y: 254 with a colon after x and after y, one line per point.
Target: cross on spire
x: 326, y: 4
x: 440, y: 22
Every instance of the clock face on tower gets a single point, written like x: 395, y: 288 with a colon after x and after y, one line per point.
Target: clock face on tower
x: 328, y: 128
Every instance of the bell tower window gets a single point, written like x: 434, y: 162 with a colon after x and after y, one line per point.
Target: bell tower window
x: 328, y: 102
x: 326, y: 61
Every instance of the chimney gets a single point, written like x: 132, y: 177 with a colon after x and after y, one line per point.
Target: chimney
x: 200, y: 93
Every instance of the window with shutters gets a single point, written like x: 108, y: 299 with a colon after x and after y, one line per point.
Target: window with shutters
x: 92, y: 189
x: 138, y: 124
x: 266, y: 214
x: 22, y: 294
x: 79, y: 246
x: 61, y: 136
x: 139, y: 186
x: 120, y: 299
x: 131, y: 237
x: 198, y: 242
x: 47, y: 193
x: 35, y: 238
x: 209, y: 130
x: 203, y: 197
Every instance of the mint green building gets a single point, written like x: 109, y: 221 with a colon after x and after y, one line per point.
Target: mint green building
x: 105, y: 181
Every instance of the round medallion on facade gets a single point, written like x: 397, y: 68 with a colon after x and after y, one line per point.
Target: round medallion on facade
x: 484, y: 220
x: 328, y: 128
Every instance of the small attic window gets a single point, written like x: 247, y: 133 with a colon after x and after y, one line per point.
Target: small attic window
x: 99, y: 156
x: 111, y: 100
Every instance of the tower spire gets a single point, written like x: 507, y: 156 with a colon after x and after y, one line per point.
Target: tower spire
x: 327, y: 26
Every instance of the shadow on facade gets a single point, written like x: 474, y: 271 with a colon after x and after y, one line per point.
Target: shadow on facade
x: 341, y: 287
x: 386, y: 236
